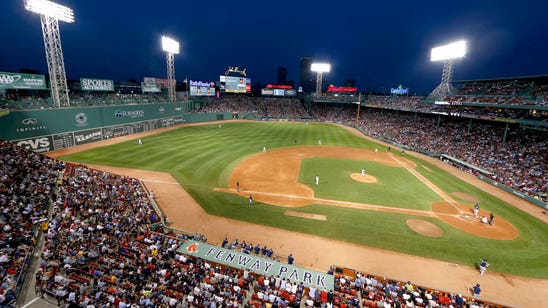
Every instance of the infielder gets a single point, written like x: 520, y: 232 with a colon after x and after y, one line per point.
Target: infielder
x: 483, y: 266
x: 476, y: 210
x: 264, y: 149
x: 363, y: 171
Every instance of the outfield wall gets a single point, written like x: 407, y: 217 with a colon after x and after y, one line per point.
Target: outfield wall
x: 54, y: 129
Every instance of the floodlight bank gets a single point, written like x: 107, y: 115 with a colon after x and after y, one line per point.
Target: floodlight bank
x: 170, y: 45
x: 50, y: 9
x: 320, y: 67
x: 447, y: 52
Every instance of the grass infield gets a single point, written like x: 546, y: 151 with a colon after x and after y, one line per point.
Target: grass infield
x: 202, y: 157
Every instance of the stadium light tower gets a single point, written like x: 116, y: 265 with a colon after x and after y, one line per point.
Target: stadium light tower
x: 320, y: 68
x: 50, y: 14
x: 171, y: 47
x: 448, y: 54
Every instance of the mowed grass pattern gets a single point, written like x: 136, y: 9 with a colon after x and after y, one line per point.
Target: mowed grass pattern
x: 202, y: 157
x: 395, y: 186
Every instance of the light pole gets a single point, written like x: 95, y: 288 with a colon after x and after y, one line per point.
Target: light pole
x: 50, y: 14
x: 171, y: 47
x: 447, y: 53
x: 320, y: 68
x: 358, y: 112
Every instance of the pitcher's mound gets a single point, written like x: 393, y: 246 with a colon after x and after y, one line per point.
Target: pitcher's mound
x: 363, y: 179
x: 424, y: 227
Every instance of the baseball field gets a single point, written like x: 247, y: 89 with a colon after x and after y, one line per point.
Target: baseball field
x: 402, y: 203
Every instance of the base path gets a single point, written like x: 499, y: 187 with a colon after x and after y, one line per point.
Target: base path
x: 320, y: 253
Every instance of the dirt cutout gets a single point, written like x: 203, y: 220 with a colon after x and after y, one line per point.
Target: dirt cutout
x: 466, y: 197
x: 424, y: 227
x: 306, y: 215
x: 462, y: 216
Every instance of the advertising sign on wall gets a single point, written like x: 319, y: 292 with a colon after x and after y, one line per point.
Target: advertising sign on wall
x: 88, y: 84
x: 22, y: 81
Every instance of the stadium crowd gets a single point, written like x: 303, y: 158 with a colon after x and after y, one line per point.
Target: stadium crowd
x: 249, y: 248
x: 79, y: 99
x: 455, y: 106
x: 83, y: 99
x: 27, y: 181
x: 260, y: 107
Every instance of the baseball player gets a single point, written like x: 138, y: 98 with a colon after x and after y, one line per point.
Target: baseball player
x: 483, y: 266
x: 264, y: 149
x: 140, y: 141
x: 317, y: 180
x: 363, y: 171
x: 476, y: 210
x: 250, y: 199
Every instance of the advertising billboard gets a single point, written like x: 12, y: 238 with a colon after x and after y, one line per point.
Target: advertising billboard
x: 150, y: 87
x: 201, y: 91
x: 258, y: 265
x: 199, y: 88
x: 88, y: 84
x: 400, y: 90
x: 334, y: 89
x: 164, y: 82
x: 22, y: 81
x: 232, y: 84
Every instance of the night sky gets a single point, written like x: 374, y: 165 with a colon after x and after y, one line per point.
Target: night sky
x: 380, y: 44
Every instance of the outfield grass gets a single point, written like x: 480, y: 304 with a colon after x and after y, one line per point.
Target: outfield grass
x: 202, y: 157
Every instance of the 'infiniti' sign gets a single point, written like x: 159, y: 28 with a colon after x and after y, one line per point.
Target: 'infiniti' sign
x: 29, y: 121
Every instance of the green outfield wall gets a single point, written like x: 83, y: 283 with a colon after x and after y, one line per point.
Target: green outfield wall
x: 54, y: 129
x: 207, y: 117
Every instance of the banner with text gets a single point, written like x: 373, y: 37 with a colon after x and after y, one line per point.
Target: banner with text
x: 88, y: 84
x: 164, y: 82
x: 150, y: 87
x: 258, y: 265
x: 22, y: 81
